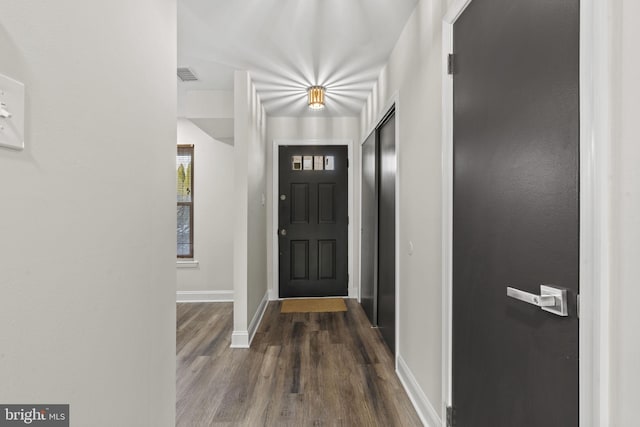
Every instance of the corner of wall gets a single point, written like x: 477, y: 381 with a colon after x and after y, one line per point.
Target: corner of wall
x: 425, y: 409
x: 250, y: 246
x: 240, y: 339
x: 257, y: 317
x: 240, y: 208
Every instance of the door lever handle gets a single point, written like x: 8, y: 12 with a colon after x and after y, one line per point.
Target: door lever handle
x: 551, y: 299
x: 538, y: 300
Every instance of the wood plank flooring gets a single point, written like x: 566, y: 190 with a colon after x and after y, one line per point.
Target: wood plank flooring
x: 303, y: 369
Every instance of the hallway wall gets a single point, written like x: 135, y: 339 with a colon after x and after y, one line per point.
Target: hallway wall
x: 212, y: 277
x: 202, y: 103
x: 249, y: 210
x: 413, y: 73
x: 87, y: 260
x: 625, y: 215
x: 311, y: 128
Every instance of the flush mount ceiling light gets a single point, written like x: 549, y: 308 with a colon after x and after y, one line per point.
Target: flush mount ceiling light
x: 316, y: 97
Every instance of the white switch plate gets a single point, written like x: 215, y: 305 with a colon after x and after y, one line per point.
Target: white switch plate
x: 12, y: 128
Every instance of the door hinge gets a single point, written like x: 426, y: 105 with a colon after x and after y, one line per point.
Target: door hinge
x: 451, y: 416
x: 578, y: 305
x: 347, y: 163
x: 451, y: 64
x: 347, y: 219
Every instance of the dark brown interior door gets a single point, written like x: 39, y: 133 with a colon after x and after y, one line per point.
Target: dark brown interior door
x: 386, y: 314
x: 369, y: 232
x: 515, y: 213
x: 313, y: 221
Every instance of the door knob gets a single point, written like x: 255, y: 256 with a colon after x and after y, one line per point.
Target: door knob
x: 283, y: 232
x: 551, y: 299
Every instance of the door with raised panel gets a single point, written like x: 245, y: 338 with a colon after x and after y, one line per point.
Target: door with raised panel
x: 313, y: 221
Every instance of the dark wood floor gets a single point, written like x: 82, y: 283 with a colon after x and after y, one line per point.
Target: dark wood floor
x: 303, y: 369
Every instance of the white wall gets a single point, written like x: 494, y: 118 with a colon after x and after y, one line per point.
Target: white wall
x: 249, y: 249
x: 204, y: 103
x: 311, y: 128
x: 625, y: 216
x: 213, y: 230
x: 413, y: 72
x: 257, y: 243
x: 87, y: 260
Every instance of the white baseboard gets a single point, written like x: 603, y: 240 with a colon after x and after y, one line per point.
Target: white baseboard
x: 428, y: 415
x: 204, y: 296
x: 273, y: 295
x: 240, y: 339
x: 257, y: 317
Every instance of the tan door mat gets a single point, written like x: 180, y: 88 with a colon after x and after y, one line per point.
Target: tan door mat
x: 313, y: 305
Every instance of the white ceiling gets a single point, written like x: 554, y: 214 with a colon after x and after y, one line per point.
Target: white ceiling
x: 288, y: 45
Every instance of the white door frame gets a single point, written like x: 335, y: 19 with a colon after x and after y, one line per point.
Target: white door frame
x: 353, y: 288
x: 594, y: 210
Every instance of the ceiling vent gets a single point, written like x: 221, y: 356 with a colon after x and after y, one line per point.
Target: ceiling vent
x: 186, y: 75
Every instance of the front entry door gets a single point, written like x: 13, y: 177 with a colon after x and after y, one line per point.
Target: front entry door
x: 313, y: 221
x: 515, y: 213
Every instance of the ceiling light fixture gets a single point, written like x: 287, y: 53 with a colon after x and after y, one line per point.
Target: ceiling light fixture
x: 316, y: 97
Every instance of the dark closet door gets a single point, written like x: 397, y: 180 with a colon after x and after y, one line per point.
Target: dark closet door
x: 313, y: 221
x: 369, y: 232
x: 516, y: 213
x: 387, y: 231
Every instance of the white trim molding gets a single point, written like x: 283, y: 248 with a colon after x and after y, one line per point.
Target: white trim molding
x: 243, y: 339
x: 239, y: 339
x: 204, y: 296
x: 427, y: 413
x: 188, y: 264
x: 353, y: 289
x: 254, y: 325
x: 595, y: 142
x: 595, y: 146
x: 354, y: 292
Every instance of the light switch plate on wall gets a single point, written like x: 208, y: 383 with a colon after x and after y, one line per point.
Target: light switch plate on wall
x: 11, y: 113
